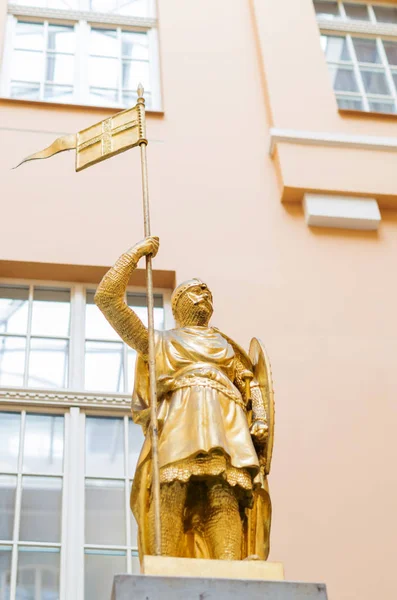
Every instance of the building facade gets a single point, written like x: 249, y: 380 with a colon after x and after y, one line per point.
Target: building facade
x: 272, y: 149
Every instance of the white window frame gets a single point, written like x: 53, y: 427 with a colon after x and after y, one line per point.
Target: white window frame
x: 82, y: 20
x: 72, y: 542
x: 16, y: 543
x: 75, y: 393
x: 371, y: 29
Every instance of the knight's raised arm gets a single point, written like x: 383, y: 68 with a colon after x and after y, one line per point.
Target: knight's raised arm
x: 110, y: 296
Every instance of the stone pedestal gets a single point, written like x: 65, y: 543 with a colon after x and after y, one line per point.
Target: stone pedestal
x: 146, y: 587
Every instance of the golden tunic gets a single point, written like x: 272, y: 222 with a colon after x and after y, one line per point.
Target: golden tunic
x: 203, y: 425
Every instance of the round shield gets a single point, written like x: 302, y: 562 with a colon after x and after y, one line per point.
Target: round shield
x: 263, y: 375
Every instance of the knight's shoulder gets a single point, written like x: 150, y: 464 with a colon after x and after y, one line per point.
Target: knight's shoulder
x: 239, y: 351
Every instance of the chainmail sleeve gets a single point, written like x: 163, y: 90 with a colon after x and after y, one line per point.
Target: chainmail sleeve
x: 239, y: 377
x: 258, y: 409
x: 110, y: 299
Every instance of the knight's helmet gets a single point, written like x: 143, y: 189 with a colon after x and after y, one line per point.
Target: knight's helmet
x: 181, y: 289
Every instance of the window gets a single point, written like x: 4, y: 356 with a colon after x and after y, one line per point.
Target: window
x: 34, y: 336
x: 55, y: 337
x: 109, y: 363
x: 363, y: 68
x: 65, y: 481
x: 31, y: 483
x: 92, y: 52
x: 112, y: 449
x: 118, y: 62
x: 43, y: 61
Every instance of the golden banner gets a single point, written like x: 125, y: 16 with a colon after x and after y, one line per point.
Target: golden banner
x: 108, y: 138
x: 103, y: 140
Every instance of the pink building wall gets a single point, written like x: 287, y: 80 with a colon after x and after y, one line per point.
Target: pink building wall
x: 322, y: 300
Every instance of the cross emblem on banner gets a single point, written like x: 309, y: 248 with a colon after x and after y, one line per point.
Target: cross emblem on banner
x: 103, y: 139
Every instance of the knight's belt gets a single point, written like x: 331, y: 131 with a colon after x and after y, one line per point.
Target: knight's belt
x: 194, y: 379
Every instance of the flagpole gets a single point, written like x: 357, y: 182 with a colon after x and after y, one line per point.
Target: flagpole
x: 152, y: 357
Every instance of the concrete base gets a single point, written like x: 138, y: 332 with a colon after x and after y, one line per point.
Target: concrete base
x: 169, y: 566
x: 139, y: 587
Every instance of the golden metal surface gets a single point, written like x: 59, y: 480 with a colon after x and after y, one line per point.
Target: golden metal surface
x: 102, y: 140
x: 263, y: 407
x: 108, y: 138
x: 214, y: 434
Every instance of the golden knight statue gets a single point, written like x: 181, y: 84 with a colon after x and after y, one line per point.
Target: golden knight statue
x: 215, y: 416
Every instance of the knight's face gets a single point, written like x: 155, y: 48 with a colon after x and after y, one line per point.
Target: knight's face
x: 195, y: 306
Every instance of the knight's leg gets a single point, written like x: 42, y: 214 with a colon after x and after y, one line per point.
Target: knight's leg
x: 224, y: 528
x: 172, y: 506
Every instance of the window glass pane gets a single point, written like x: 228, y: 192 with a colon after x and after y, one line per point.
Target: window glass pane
x: 41, y: 509
x: 25, y: 91
x: 135, y: 443
x: 29, y: 36
x: 31, y: 2
x: 391, y: 51
x: 50, y: 3
x: 9, y: 441
x: 134, y: 45
x: 103, y: 72
x: 366, y: 50
x: 350, y: 103
x: 131, y: 362
x: 328, y: 10
x: 12, y: 360
x: 58, y: 93
x: 48, y: 363
x: 43, y: 444
x: 385, y: 14
x: 105, y: 521
x: 138, y: 303
x: 134, y: 73
x: 134, y: 534
x: 104, y: 446
x: 158, y: 316
x: 356, y: 11
x: 51, y: 312
x: 374, y: 82
x: 28, y: 66
x: 104, y: 6
x: 60, y: 68
x: 395, y: 79
x: 104, y: 42
x: 102, y: 97
x: 382, y: 106
x: 64, y: 4
x: 38, y: 574
x: 335, y: 48
x: 104, y: 366
x: 61, y: 38
x: 100, y: 568
x: 96, y: 326
x: 136, y: 8
x: 343, y: 79
x: 136, y: 570
x: 8, y: 484
x: 5, y: 572
x: 130, y: 98
x: 13, y: 309
x: 139, y: 299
